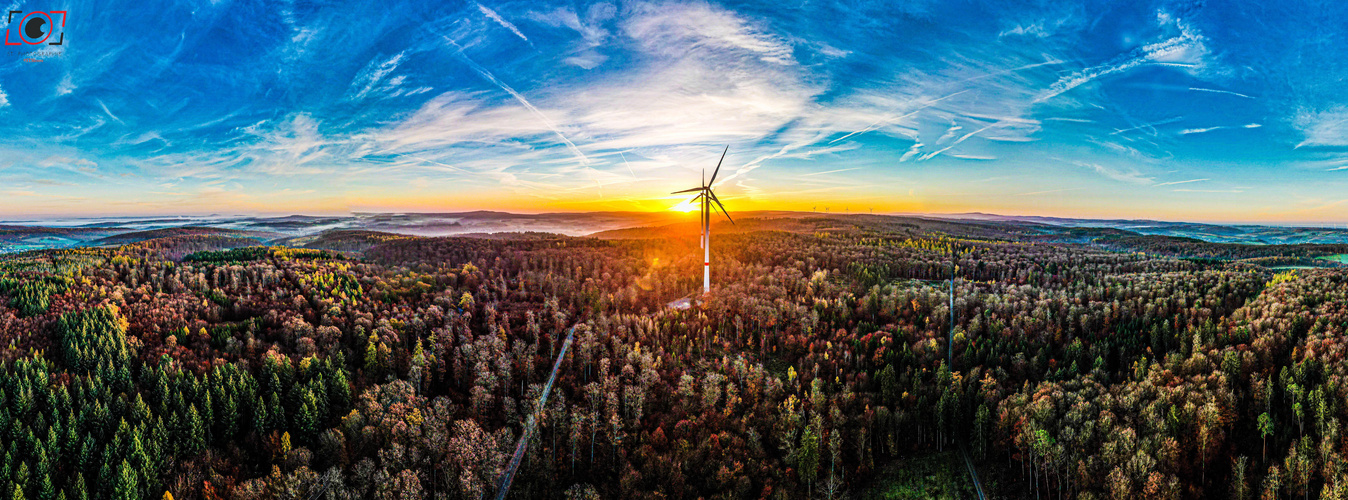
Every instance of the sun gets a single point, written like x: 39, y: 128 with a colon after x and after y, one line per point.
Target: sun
x: 685, y: 207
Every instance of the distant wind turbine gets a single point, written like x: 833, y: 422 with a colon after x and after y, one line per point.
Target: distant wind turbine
x: 707, y: 197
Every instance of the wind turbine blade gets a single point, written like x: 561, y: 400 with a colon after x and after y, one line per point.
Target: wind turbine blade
x: 704, y: 177
x: 718, y: 166
x: 687, y: 190
x: 718, y: 203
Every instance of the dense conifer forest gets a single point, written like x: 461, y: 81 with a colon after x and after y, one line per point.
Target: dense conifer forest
x: 384, y: 366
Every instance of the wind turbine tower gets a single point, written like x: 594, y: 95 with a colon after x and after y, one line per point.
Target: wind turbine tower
x: 706, y: 197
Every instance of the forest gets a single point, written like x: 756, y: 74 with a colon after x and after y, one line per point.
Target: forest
x: 372, y: 365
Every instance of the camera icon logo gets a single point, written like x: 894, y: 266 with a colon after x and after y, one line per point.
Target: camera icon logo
x: 36, y: 28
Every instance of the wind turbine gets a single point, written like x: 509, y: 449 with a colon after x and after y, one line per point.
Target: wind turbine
x: 707, y: 197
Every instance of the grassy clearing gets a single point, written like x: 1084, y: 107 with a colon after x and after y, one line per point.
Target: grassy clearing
x: 935, y: 476
x: 1340, y: 258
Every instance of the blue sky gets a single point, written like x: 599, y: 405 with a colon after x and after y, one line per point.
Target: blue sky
x: 1189, y: 110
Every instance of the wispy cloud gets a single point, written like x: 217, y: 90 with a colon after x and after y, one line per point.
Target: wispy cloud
x: 445, y: 165
x: 669, y: 27
x: 912, y: 152
x: 831, y: 171
x: 1184, y: 49
x: 501, y: 21
x: 523, y: 102
x: 583, y: 53
x: 962, y: 138
x: 104, y: 107
x: 601, y: 91
x: 1181, y: 182
x: 1129, y: 176
x: 1327, y: 127
x: 373, y: 75
x: 1149, y: 127
x: 1009, y: 139
x: 1217, y: 91
x: 1203, y: 130
x: 886, y: 120
x: 1189, y: 131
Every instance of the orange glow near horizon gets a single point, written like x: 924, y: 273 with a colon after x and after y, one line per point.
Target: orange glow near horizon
x: 876, y: 200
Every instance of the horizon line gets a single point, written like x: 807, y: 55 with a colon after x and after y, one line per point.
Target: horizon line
x: 38, y: 220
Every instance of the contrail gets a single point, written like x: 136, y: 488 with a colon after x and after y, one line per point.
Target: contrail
x: 629, y: 165
x: 501, y: 21
x: 1138, y: 57
x: 891, y: 120
x: 525, y: 102
x: 1215, y: 91
x: 1151, y: 126
x: 832, y: 171
x: 962, y: 138
x: 1180, y: 182
x: 451, y: 167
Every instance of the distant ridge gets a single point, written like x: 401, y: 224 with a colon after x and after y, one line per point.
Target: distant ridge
x: 153, y: 234
x: 301, y: 230
x: 1250, y: 234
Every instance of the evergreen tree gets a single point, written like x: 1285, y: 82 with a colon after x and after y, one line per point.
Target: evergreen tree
x: 807, y: 460
x: 261, y: 420
x: 339, y: 392
x: 87, y: 457
x: 45, y: 488
x: 196, y: 432
x: 276, y: 413
x: 982, y: 422
x: 319, y: 388
x: 158, y: 439
x: 140, y: 412
x: 207, y: 417
x: 306, y: 419
x: 21, y: 476
x: 126, y: 485
x: 77, y: 489
x: 136, y: 453
x: 227, y: 416
x: 53, y: 443
x: 41, y: 466
x: 70, y: 442
x: 107, y: 474
x: 6, y: 468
